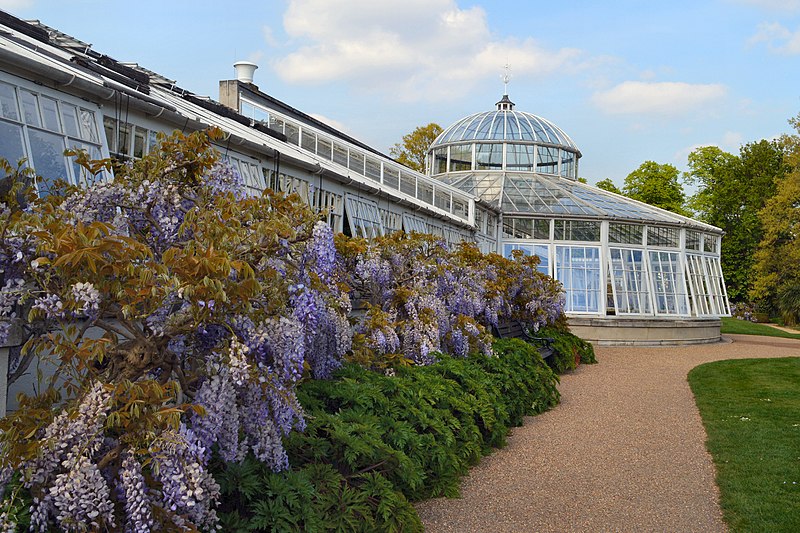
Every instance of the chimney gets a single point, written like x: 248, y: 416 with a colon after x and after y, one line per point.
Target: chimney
x: 244, y: 71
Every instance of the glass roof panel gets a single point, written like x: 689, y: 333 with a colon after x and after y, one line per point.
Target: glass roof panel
x: 512, y: 127
x: 499, y: 126
x: 482, y: 131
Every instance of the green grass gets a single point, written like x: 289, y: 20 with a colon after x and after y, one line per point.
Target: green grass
x: 743, y: 327
x: 751, y: 411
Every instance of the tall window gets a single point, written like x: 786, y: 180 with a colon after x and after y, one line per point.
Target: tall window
x: 629, y: 281
x: 364, y: 217
x: 706, y: 285
x: 668, y: 286
x: 460, y: 157
x: 519, y: 157
x: 39, y: 127
x: 412, y: 223
x: 548, y: 160
x: 542, y: 251
x: 488, y: 156
x: 578, y: 269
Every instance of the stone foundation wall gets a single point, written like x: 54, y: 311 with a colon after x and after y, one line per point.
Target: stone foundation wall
x: 615, y: 331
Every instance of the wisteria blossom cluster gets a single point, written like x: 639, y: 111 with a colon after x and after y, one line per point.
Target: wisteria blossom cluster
x: 211, y: 306
x: 419, y: 297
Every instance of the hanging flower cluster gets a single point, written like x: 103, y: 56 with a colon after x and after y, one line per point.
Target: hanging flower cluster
x: 417, y: 297
x: 211, y: 306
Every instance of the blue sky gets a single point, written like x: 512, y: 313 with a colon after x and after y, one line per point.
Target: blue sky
x: 629, y: 81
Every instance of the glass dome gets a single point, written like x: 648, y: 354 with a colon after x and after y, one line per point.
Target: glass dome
x: 504, y: 139
x: 505, y: 125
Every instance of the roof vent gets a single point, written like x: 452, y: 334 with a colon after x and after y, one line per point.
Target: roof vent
x: 244, y: 71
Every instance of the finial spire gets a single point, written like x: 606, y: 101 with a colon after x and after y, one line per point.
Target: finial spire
x: 505, y: 104
x: 506, y: 77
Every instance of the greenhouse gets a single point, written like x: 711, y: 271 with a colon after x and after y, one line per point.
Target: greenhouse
x: 632, y: 273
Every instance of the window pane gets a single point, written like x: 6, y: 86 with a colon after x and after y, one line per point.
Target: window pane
x: 578, y: 269
x: 11, y: 147
x: 629, y: 281
x: 50, y: 114
x: 692, y: 240
x: 292, y: 133
x: 8, y: 102
x: 577, y: 230
x: 69, y: 118
x: 47, y: 158
x: 488, y: 156
x: 668, y: 283
x: 425, y: 192
x: 139, y: 136
x: 391, y: 177
x: 124, y: 143
x: 440, y: 160
x: 548, y: 160
x: 665, y: 237
x: 30, y: 108
x: 309, y: 141
x: 340, y: 154
x: 519, y: 157
x: 88, y: 126
x: 373, y: 169
x: 356, y: 162
x: 324, y: 148
x: 567, y: 164
x: 110, y: 127
x: 460, y: 157
x: 625, y: 233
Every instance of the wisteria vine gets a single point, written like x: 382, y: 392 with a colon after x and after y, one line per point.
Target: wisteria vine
x: 211, y: 306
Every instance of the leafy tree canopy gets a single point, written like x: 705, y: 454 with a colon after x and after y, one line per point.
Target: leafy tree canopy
x: 777, y: 260
x: 608, y: 185
x: 731, y: 192
x: 656, y: 185
x: 411, y: 152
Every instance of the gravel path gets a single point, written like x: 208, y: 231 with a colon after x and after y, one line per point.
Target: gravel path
x: 624, y: 451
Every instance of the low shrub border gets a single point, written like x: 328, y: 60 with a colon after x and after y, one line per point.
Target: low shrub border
x: 375, y: 442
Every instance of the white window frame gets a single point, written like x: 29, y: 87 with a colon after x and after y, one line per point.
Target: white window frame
x: 364, y: 217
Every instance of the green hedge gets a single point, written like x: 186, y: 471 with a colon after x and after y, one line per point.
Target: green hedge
x: 569, y: 349
x: 374, y: 443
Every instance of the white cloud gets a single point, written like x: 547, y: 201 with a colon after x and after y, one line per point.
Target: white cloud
x: 414, y: 49
x: 331, y: 122
x: 779, y: 39
x: 269, y: 36
x: 657, y: 98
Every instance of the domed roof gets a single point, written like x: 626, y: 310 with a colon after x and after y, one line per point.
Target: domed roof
x: 505, y: 124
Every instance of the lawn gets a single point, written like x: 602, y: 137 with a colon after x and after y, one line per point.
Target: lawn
x: 751, y: 412
x: 743, y: 327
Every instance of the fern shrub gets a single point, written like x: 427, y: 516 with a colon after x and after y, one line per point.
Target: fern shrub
x: 376, y: 442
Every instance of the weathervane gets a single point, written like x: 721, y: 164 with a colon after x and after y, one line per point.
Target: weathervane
x: 506, y: 77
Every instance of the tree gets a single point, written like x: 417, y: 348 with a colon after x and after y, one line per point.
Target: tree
x: 777, y: 260
x: 608, y: 185
x: 411, y: 152
x: 731, y: 192
x: 656, y: 185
